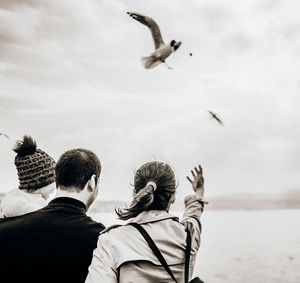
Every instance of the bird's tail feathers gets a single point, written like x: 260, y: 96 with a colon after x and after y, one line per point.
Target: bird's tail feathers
x: 150, y: 62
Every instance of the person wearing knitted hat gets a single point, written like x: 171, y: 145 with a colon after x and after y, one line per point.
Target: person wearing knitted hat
x: 55, y: 243
x: 36, y: 173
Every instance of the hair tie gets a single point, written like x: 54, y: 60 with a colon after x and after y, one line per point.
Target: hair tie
x: 152, y: 184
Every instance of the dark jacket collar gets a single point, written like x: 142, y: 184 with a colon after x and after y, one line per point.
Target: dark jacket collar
x: 67, y: 202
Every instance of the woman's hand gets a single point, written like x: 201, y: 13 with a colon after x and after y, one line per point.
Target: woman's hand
x: 198, y: 182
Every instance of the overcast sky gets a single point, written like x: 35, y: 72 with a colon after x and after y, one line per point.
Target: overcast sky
x: 71, y: 76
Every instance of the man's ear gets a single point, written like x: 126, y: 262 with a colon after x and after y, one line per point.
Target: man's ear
x: 92, y: 183
x: 173, y: 198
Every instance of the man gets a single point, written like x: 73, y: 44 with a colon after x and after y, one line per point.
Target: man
x: 55, y: 243
x: 36, y: 173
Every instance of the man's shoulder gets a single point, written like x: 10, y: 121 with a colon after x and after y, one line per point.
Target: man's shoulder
x: 80, y: 221
x: 12, y: 226
x: 49, y: 216
x: 96, y: 225
x: 19, y: 219
x: 41, y: 219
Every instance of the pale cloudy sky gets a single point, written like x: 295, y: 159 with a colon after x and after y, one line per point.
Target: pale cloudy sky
x: 70, y: 75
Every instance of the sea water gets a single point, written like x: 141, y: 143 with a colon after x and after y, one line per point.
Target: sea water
x: 245, y: 246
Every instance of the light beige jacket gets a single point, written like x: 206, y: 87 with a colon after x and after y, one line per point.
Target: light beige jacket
x: 123, y: 253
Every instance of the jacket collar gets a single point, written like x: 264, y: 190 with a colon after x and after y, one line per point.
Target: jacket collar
x: 67, y: 202
x: 152, y: 216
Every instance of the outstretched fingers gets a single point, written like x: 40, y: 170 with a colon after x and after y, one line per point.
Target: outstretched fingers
x: 200, y: 171
x: 189, y: 179
x: 196, y: 173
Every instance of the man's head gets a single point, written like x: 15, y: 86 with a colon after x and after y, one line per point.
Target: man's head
x: 78, y: 170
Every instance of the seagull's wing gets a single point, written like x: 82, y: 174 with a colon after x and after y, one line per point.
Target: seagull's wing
x: 218, y: 119
x: 214, y: 116
x: 152, y: 25
x: 5, y: 135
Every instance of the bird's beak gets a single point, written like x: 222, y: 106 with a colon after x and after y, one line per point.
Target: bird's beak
x: 177, y: 45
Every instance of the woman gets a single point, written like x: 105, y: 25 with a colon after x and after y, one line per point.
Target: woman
x: 123, y: 255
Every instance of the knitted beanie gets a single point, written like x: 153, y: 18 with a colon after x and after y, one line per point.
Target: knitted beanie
x: 36, y: 169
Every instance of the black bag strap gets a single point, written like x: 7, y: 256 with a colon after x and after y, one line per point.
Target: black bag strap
x: 187, y: 255
x: 154, y: 248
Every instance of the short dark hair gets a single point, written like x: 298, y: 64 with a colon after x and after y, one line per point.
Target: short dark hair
x: 75, y: 167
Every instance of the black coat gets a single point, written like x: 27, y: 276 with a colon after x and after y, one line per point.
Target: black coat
x: 53, y: 244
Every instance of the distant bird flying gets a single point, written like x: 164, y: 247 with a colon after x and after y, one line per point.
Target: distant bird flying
x: 162, y: 50
x: 4, y: 135
x: 214, y: 116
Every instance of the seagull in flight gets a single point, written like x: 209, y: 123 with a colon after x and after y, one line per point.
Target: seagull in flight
x: 5, y: 135
x: 162, y: 50
x: 214, y: 116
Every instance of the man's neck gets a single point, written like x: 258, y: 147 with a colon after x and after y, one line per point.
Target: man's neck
x: 72, y: 194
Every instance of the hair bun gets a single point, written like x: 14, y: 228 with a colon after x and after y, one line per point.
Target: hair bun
x: 25, y: 147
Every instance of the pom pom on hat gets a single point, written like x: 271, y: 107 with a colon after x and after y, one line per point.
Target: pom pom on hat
x: 25, y: 147
x: 36, y: 169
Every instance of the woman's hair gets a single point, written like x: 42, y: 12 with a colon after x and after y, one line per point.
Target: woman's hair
x: 146, y: 197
